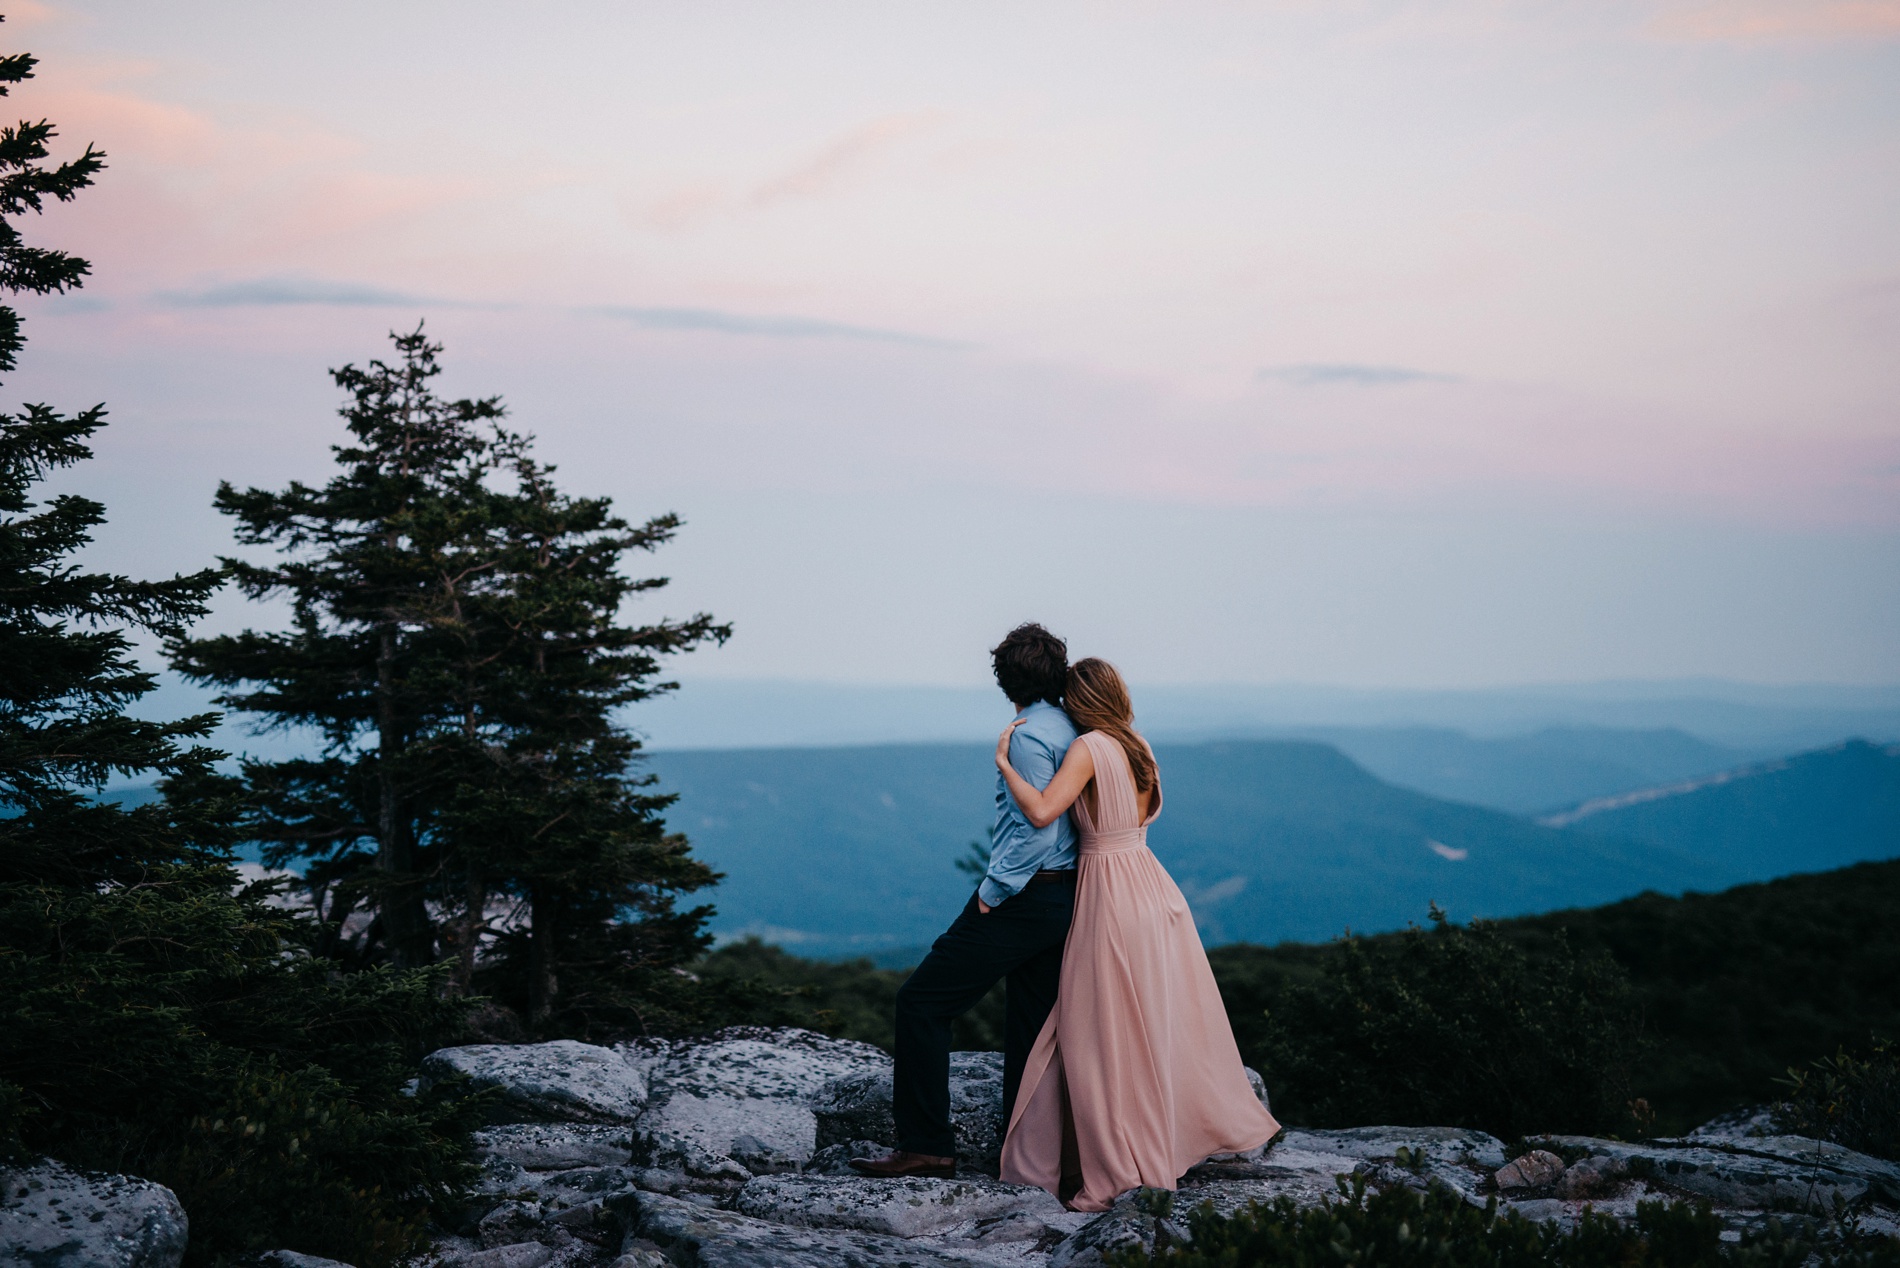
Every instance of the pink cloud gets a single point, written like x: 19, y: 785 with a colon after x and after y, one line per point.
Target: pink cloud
x: 1777, y: 20
x: 842, y: 160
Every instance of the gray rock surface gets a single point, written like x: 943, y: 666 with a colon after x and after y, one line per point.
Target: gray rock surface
x: 910, y: 1207
x: 835, y: 1160
x: 739, y: 1157
x: 858, y: 1107
x: 1738, y: 1174
x: 556, y: 1147
x: 740, y: 1103
x: 711, y: 1238
x: 518, y: 1255
x: 295, y: 1259
x: 560, y: 1082
x: 1750, y: 1120
x: 1307, y: 1164
x: 52, y: 1216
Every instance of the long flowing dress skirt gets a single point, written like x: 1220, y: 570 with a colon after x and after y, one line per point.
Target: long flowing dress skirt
x: 1135, y: 1077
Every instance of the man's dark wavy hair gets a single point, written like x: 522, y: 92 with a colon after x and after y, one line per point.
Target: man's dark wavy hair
x: 1031, y: 664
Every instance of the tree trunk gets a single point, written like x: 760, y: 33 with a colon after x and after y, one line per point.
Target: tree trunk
x: 411, y: 940
x: 467, y: 934
x: 544, y: 914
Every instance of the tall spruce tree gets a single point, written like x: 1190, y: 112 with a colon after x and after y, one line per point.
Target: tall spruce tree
x: 457, y: 643
x: 378, y: 565
x: 552, y: 814
x: 157, y: 1016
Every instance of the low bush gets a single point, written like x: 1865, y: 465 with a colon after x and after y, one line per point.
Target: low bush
x: 1848, y: 1099
x: 1401, y: 1228
x: 1455, y: 1027
x: 172, y: 1029
x: 849, y: 999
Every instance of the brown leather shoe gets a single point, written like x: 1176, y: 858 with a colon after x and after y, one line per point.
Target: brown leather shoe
x: 900, y: 1162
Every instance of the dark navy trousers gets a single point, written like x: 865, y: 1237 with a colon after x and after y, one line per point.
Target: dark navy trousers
x: 1021, y: 941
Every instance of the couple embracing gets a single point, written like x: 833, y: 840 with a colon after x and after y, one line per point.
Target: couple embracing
x: 1119, y: 1067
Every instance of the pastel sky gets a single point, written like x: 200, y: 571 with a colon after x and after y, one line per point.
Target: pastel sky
x: 1351, y: 341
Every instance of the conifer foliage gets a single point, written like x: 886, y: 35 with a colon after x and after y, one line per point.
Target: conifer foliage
x: 456, y: 644
x: 158, y: 1017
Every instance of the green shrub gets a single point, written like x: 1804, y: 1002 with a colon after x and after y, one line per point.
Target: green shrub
x: 1401, y: 1228
x: 1455, y: 1027
x: 1848, y: 1099
x: 851, y: 999
x: 172, y: 1029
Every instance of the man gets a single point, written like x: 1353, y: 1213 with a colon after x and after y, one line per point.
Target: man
x: 1013, y: 926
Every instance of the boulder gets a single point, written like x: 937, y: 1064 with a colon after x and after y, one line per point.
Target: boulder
x: 518, y: 1255
x: 555, y: 1147
x: 909, y: 1207
x: 1307, y: 1163
x: 1259, y: 1086
x: 52, y: 1216
x: 559, y: 1082
x: 1749, y: 1120
x: 739, y: 1103
x: 858, y: 1107
x: 1807, y: 1176
x: 712, y: 1238
x: 1592, y: 1177
x: 296, y: 1259
x: 1534, y: 1170
x: 835, y: 1160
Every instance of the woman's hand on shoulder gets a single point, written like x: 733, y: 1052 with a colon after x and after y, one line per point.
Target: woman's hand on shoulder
x: 1002, y: 743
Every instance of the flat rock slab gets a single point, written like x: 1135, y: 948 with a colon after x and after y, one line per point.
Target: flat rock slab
x: 858, y: 1107
x: 560, y: 1082
x: 1733, y: 1176
x: 1454, y: 1145
x: 1882, y: 1177
x: 711, y: 1238
x: 52, y: 1216
x: 719, y: 1135
x: 1305, y: 1164
x: 913, y: 1206
x: 767, y: 1063
x: 296, y: 1259
x: 556, y: 1147
x: 739, y: 1102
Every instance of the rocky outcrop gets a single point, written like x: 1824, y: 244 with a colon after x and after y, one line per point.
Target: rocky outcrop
x: 858, y: 1107
x: 736, y: 1153
x: 558, y: 1082
x: 742, y: 1102
x: 52, y: 1216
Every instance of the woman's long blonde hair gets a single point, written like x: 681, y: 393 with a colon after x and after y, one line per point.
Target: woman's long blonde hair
x: 1097, y: 700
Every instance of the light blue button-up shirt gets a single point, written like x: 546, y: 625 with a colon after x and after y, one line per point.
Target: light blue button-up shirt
x: 1017, y: 850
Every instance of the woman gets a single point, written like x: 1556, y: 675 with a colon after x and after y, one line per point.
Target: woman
x: 1135, y: 1076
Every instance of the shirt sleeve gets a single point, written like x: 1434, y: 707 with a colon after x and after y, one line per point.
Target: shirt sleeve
x: 1016, y: 848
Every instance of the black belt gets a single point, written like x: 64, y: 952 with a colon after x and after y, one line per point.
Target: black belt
x: 1053, y: 875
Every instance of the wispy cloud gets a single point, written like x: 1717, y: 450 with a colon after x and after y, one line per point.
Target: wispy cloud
x: 270, y: 292
x: 840, y: 160
x: 715, y: 321
x: 1349, y: 375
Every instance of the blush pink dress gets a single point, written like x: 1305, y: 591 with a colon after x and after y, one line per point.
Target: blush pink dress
x: 1135, y: 1076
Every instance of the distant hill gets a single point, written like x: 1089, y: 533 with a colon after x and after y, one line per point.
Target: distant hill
x: 851, y: 850
x: 1529, y: 774
x: 1805, y: 813
x: 1735, y: 986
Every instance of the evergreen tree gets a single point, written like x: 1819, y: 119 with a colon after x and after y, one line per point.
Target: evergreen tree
x: 156, y: 1016
x: 457, y: 643
x: 380, y: 564
x: 551, y: 812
